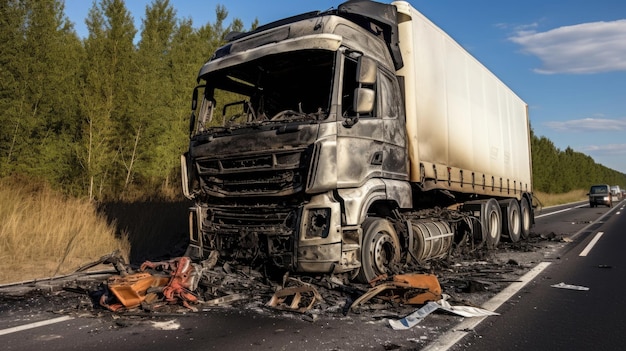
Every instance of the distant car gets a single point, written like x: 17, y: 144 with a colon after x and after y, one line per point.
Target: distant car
x: 600, y: 195
x: 616, y: 192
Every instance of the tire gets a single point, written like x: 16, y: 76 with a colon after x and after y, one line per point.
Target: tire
x: 491, y: 221
x: 526, y: 220
x: 511, y: 219
x: 380, y: 248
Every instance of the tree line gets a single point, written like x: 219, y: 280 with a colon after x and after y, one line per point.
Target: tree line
x: 106, y: 115
x: 559, y: 171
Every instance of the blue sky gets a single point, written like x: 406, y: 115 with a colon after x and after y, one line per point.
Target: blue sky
x: 565, y: 58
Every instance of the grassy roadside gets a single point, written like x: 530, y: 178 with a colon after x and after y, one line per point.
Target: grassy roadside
x: 546, y: 200
x: 44, y: 233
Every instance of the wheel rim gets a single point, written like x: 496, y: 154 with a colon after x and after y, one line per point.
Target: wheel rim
x: 382, y: 252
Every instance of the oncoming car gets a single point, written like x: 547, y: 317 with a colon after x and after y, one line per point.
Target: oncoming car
x: 600, y: 195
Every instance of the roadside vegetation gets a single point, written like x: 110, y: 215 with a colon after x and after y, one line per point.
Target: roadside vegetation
x: 44, y: 233
x: 546, y: 200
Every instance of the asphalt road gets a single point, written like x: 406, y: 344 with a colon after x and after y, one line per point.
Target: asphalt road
x: 537, y: 317
x: 543, y: 317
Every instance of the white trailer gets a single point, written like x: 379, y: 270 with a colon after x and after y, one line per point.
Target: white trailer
x: 466, y: 130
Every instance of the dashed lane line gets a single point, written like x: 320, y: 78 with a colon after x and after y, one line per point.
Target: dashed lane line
x: 559, y: 211
x: 34, y: 325
x: 591, y: 244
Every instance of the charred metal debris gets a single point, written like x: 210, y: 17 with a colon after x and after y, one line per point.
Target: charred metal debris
x: 179, y: 285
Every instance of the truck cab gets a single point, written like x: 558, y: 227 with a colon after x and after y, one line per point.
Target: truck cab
x: 297, y: 130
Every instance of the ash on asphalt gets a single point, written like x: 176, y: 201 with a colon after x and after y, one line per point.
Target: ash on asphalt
x: 469, y: 278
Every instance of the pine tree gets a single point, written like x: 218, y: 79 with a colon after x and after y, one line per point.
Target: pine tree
x: 107, y: 96
x: 151, y: 155
x: 42, y: 74
x: 12, y: 73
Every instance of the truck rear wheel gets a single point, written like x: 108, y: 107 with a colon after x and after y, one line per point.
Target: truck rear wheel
x: 511, y: 219
x: 525, y: 211
x: 380, y: 249
x: 492, y: 223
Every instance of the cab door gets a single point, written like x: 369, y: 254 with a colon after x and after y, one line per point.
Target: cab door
x: 360, y: 136
x: 370, y: 144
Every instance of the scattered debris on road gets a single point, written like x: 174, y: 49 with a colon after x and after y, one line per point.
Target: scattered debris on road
x: 430, y: 307
x: 562, y: 285
x: 298, y: 298
x: 180, y: 286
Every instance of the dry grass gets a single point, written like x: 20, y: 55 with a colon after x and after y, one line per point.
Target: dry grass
x: 43, y: 233
x: 546, y: 200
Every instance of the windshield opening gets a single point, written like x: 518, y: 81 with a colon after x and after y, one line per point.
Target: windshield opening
x: 599, y: 190
x: 282, y: 87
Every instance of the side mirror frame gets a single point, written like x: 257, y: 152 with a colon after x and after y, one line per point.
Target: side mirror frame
x: 364, y: 99
x: 364, y: 95
x: 367, y: 68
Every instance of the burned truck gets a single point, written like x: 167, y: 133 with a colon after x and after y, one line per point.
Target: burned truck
x: 351, y: 141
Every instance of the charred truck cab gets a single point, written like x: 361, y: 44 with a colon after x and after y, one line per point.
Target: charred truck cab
x: 301, y: 153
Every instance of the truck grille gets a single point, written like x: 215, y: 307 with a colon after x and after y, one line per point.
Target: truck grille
x: 269, y: 221
x: 276, y: 174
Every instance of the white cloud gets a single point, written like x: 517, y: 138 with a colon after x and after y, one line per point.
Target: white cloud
x: 609, y: 149
x: 588, y: 124
x: 519, y: 27
x: 579, y: 49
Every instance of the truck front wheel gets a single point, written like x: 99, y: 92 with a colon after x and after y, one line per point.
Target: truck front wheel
x: 380, y: 249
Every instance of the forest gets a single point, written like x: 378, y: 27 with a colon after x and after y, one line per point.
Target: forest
x: 107, y: 116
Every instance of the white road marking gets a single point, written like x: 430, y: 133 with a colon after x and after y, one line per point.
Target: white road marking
x: 591, y: 244
x: 455, y: 335
x: 559, y: 211
x: 34, y: 325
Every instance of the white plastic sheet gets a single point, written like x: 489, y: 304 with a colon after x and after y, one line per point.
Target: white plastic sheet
x: 419, y: 315
x: 415, y: 317
x: 570, y: 287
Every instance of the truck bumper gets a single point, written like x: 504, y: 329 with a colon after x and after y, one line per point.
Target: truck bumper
x: 323, y: 245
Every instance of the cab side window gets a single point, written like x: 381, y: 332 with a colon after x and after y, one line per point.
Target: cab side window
x: 388, y: 96
x: 349, y: 84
